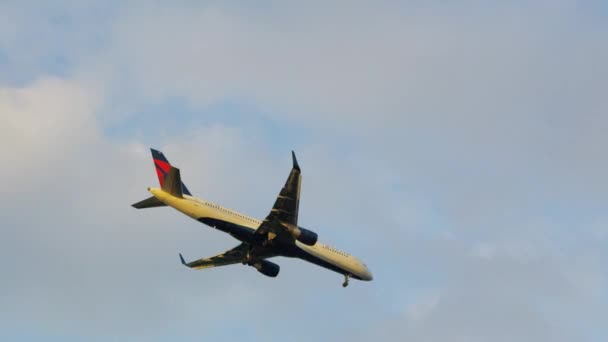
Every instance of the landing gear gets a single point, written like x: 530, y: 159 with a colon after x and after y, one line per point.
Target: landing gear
x: 248, y: 258
x: 345, y: 283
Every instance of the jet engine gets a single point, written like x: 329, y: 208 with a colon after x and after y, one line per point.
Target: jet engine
x: 267, y: 268
x: 305, y: 236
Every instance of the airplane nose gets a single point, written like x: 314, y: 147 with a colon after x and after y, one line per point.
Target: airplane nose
x: 367, y: 274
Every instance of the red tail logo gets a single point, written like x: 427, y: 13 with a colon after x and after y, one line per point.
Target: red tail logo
x: 162, y: 166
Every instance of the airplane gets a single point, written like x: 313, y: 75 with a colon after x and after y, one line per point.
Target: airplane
x: 277, y: 235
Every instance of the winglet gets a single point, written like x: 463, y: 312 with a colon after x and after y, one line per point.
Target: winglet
x: 295, y: 161
x: 182, y: 259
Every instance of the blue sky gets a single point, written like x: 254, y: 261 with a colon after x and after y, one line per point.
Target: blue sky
x: 456, y: 147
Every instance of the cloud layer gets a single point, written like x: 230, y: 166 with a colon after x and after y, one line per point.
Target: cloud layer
x: 455, y: 147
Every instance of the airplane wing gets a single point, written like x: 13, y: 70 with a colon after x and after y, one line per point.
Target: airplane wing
x: 284, y: 213
x: 233, y: 256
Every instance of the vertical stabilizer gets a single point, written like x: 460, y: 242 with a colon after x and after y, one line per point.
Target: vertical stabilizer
x: 173, y: 183
x: 162, y: 166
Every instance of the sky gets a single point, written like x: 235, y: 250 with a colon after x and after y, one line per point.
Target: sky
x: 457, y: 147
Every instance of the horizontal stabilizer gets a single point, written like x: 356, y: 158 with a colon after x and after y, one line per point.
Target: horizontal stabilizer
x: 173, y: 183
x: 151, y: 202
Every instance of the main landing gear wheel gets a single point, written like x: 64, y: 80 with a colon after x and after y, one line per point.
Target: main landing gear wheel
x: 345, y: 283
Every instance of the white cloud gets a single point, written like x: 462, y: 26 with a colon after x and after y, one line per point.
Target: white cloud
x: 478, y: 102
x: 484, y: 124
x: 41, y: 124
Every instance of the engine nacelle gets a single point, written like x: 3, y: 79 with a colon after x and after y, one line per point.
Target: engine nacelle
x: 305, y: 236
x: 267, y: 268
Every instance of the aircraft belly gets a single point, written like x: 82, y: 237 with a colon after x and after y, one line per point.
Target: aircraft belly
x: 318, y: 257
x: 241, y: 233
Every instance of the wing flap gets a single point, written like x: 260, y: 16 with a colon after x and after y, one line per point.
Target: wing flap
x: 286, y: 206
x: 284, y: 213
x: 230, y: 257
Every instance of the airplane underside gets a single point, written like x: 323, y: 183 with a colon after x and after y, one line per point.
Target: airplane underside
x: 259, y: 248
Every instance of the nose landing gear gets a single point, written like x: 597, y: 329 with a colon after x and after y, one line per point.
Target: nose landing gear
x: 345, y: 283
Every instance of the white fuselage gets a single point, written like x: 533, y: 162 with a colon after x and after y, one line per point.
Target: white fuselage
x: 197, y: 208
